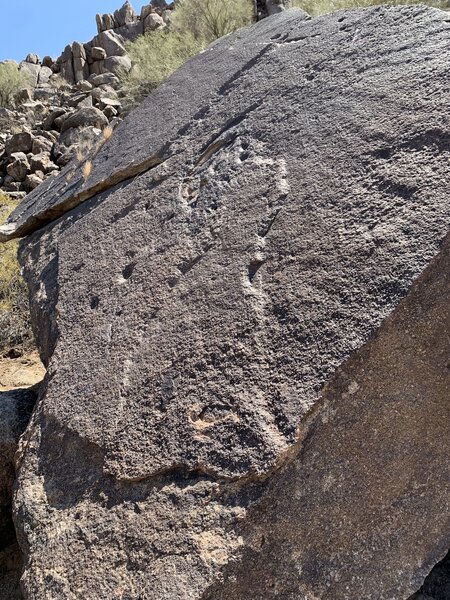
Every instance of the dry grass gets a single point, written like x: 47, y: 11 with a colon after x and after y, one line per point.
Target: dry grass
x: 15, y: 327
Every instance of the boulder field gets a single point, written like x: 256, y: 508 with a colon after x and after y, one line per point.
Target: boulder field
x: 242, y: 305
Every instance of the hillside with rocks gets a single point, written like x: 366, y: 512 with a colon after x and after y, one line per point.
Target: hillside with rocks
x: 242, y: 308
x: 68, y: 102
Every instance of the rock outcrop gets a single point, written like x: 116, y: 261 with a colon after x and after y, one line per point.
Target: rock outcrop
x: 63, y: 91
x: 243, y: 308
x: 32, y: 148
x: 102, y: 54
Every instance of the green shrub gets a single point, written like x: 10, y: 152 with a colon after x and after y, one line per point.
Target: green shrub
x: 208, y: 20
x: 194, y: 24
x: 154, y: 57
x: 15, y: 327
x: 11, y: 82
x: 319, y: 7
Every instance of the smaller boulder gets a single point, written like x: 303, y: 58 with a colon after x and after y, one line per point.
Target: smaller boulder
x: 33, y: 59
x: 118, y: 64
x: 125, y: 15
x: 98, y: 53
x: 19, y: 167
x: 43, y: 163
x: 84, y: 86
x: 19, y: 142
x: 110, y: 112
x: 44, y: 75
x: 85, y: 117
x: 105, y: 79
x: 33, y: 180
x: 48, y: 61
x: 23, y: 95
x: 112, y: 102
x: 49, y: 121
x: 111, y: 42
x: 153, y: 22
x: 145, y: 11
x: 30, y: 71
x: 41, y: 144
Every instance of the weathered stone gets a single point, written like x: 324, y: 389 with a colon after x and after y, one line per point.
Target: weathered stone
x: 105, y: 22
x: 67, y: 71
x: 86, y: 102
x: 31, y: 72
x: 85, y: 117
x: 98, y: 53
x: 104, y: 101
x: 84, y: 86
x: 105, y: 79
x: 110, y: 112
x: 245, y: 318
x: 18, y: 167
x: 111, y: 42
x: 41, y: 144
x: 49, y: 121
x: 153, y: 22
x: 125, y: 15
x: 42, y: 162
x: 78, y: 50
x: 80, y: 66
x: 48, y: 61
x: 74, y: 100
x: 83, y: 139
x: 97, y: 68
x: 24, y: 95
x: 145, y: 11
x: 118, y: 64
x: 159, y: 4
x: 44, y: 93
x: 131, y: 31
x: 19, y: 142
x: 44, y: 75
x: 58, y: 122
x: 33, y: 180
x: 32, y: 59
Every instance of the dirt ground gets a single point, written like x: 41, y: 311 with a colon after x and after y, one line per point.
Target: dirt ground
x: 21, y: 372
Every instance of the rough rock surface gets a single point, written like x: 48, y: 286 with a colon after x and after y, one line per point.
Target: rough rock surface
x: 245, y: 322
x: 15, y: 411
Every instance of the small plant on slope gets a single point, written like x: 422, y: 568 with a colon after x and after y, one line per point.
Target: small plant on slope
x: 15, y: 327
x: 11, y: 82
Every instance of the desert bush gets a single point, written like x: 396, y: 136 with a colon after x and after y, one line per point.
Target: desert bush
x: 319, y: 7
x: 154, y: 57
x: 208, y: 20
x: 11, y: 82
x: 15, y: 327
x: 194, y: 24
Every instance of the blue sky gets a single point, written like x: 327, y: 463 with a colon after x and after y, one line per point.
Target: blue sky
x: 47, y: 26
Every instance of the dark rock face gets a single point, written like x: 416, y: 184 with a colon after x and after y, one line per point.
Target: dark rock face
x: 15, y: 411
x: 244, y: 314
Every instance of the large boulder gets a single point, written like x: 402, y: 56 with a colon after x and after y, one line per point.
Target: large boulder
x: 242, y: 301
